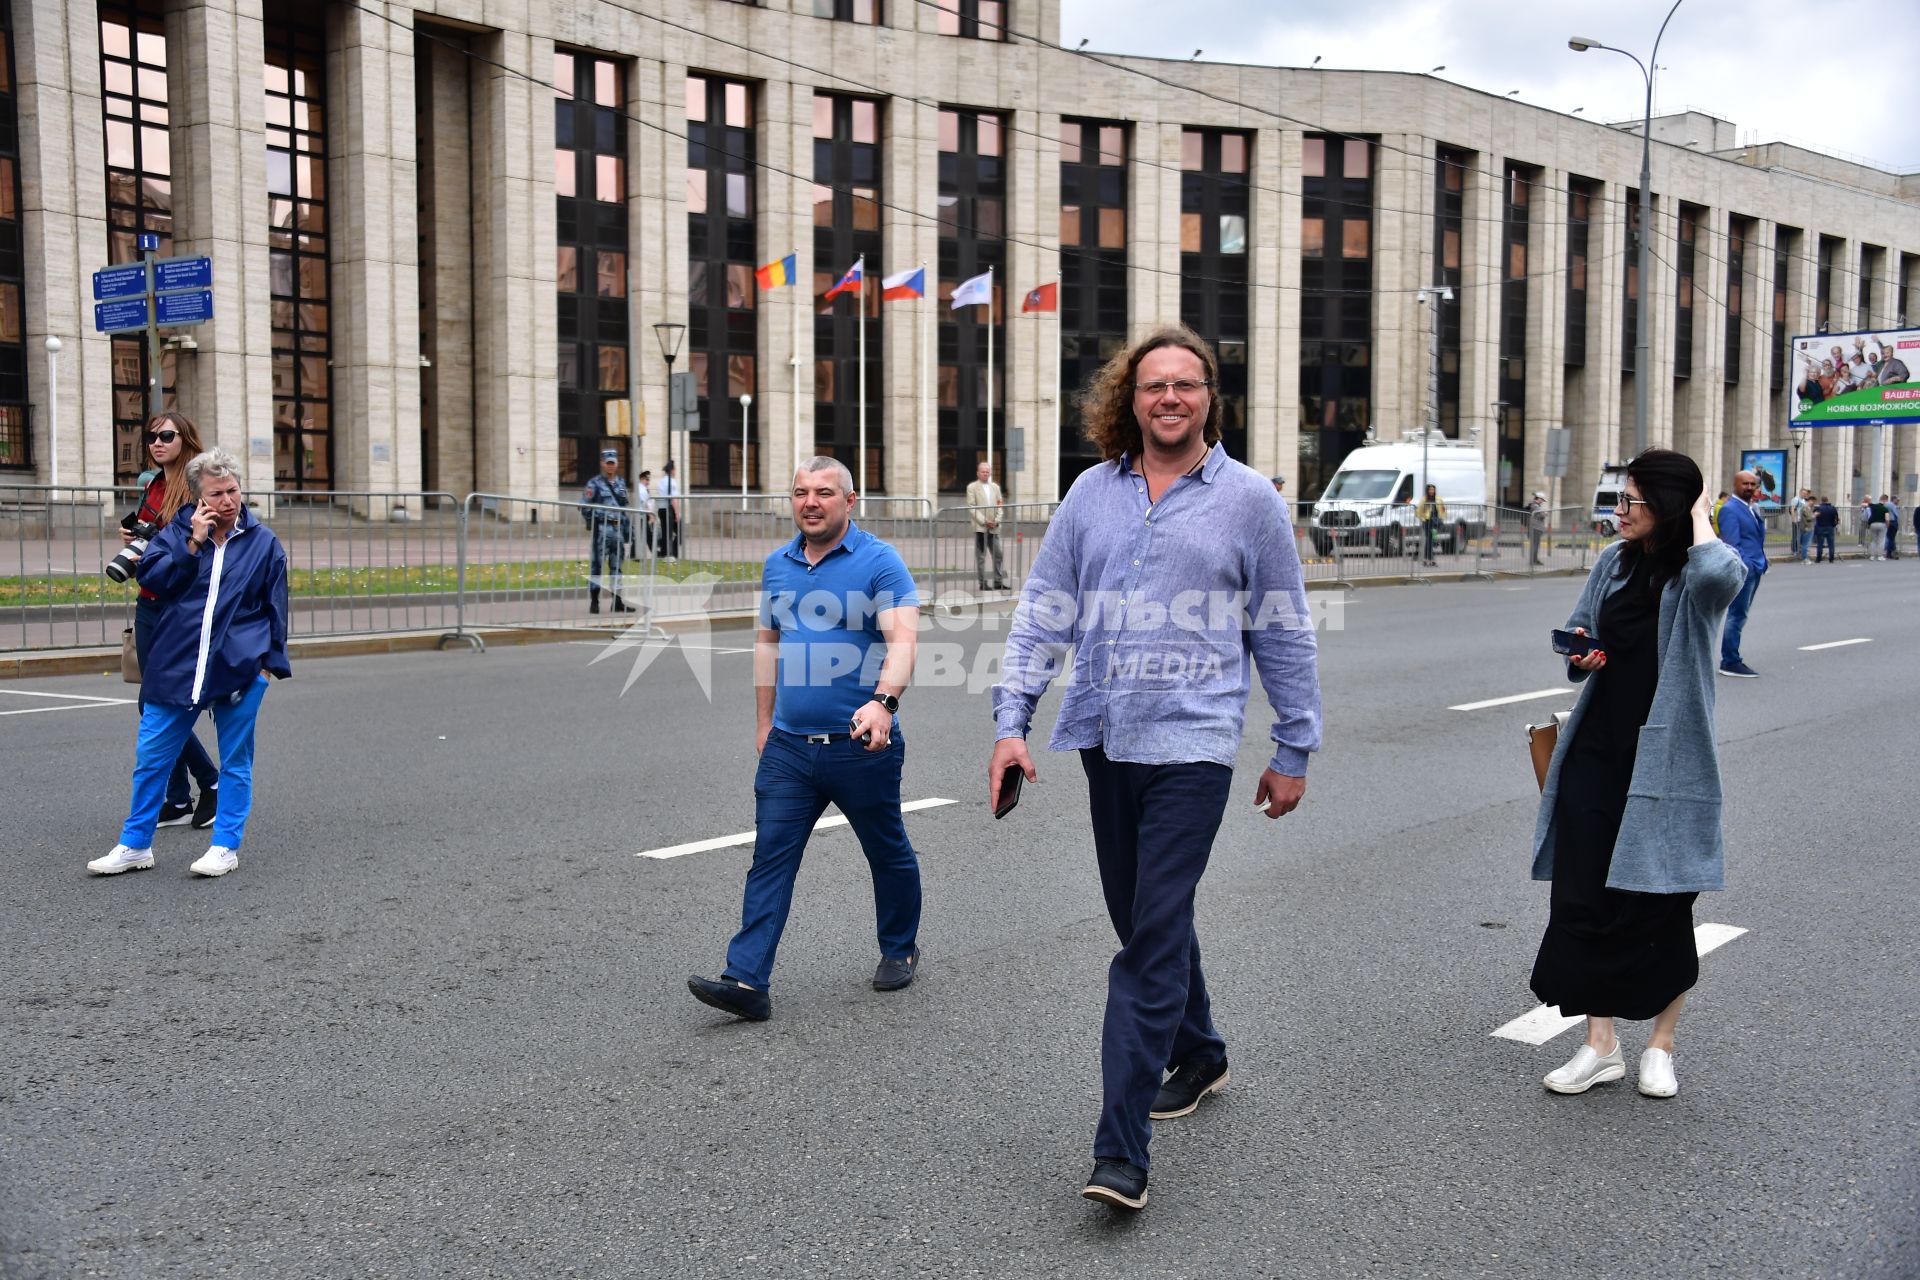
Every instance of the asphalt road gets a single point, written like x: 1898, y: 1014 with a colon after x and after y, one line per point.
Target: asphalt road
x: 436, y: 1024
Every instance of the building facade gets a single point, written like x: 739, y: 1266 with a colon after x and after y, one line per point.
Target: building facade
x: 441, y: 247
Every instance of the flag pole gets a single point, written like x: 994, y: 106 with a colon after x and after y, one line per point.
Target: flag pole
x: 926, y: 387
x: 989, y: 373
x: 1059, y: 372
x: 860, y: 318
x: 795, y: 363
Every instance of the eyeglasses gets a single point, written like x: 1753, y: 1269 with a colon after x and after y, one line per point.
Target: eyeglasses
x: 1628, y: 504
x: 1182, y: 387
x: 164, y: 437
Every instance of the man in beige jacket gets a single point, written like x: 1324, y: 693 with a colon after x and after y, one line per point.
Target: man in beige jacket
x: 984, y: 497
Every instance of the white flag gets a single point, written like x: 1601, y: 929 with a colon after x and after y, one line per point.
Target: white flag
x: 977, y: 292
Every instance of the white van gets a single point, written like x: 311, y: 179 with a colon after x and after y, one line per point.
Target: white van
x: 1371, y: 499
x: 1606, y: 497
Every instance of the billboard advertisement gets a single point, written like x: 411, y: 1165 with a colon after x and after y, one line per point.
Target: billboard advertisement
x: 1856, y: 379
x: 1771, y: 466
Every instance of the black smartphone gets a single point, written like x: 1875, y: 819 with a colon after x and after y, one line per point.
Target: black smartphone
x: 1010, y: 780
x: 1571, y: 644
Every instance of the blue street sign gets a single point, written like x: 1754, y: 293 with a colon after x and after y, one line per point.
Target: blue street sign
x: 184, y: 308
x: 118, y: 317
x: 149, y: 240
x: 119, y: 282
x: 182, y: 273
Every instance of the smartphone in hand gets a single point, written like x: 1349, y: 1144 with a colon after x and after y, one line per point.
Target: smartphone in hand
x: 1010, y: 779
x: 1571, y: 644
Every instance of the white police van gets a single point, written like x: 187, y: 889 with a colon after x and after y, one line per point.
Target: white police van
x: 1370, y: 500
x: 1606, y: 497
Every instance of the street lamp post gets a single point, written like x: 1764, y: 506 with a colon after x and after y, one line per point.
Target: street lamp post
x: 1642, y: 345
x: 670, y: 335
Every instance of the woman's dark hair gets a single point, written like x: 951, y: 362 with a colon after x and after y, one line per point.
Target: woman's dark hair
x: 1671, y: 483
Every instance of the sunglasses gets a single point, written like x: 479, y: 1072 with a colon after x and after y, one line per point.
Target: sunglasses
x: 164, y: 437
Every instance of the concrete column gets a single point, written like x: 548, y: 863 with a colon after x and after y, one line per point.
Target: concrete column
x: 1154, y: 223
x: 1547, y: 329
x: 1402, y: 239
x: 910, y: 179
x: 1701, y: 401
x: 220, y: 209
x: 1032, y: 341
x: 1482, y: 266
x: 1597, y: 409
x: 373, y: 233
x: 785, y: 142
x: 657, y: 258
x: 1748, y: 406
x: 444, y: 104
x: 516, y: 402
x: 1269, y: 245
x: 63, y: 216
x: 1282, y: 381
x: 1661, y: 259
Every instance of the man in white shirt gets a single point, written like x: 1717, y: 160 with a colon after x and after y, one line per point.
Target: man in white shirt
x: 984, y: 500
x: 643, y: 503
x: 669, y: 495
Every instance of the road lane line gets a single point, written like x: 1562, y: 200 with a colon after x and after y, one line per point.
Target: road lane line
x: 1517, y: 697
x: 746, y: 837
x: 1835, y: 644
x: 77, y: 697
x: 1543, y: 1022
x: 82, y: 706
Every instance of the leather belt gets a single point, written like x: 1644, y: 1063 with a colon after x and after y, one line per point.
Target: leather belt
x: 822, y: 738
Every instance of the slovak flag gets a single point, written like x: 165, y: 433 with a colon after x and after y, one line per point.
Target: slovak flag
x: 849, y: 283
x: 904, y: 284
x: 977, y: 292
x: 1045, y: 298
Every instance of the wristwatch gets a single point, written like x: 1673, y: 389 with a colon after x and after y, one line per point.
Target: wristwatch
x: 887, y: 700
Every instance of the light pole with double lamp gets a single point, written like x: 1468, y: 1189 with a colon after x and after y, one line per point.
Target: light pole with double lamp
x: 1642, y: 369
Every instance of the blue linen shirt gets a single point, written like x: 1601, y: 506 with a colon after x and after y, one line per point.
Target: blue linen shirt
x: 1740, y: 528
x: 1166, y: 607
x: 828, y: 617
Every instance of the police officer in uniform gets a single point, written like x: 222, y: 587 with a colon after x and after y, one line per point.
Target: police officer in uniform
x: 611, y: 526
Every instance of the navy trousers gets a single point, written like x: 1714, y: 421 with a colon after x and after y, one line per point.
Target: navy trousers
x: 1153, y: 829
x: 795, y: 782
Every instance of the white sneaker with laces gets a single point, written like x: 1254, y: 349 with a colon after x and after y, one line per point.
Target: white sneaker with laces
x: 216, y: 861
x: 1586, y: 1069
x: 119, y: 859
x: 1656, y: 1074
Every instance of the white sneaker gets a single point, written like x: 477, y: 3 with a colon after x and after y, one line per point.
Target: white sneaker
x: 1656, y: 1074
x: 1587, y: 1069
x: 121, y: 859
x: 216, y: 861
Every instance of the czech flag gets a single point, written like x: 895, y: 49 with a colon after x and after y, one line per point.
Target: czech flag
x: 781, y: 272
x: 905, y: 284
x: 1045, y: 298
x: 849, y: 283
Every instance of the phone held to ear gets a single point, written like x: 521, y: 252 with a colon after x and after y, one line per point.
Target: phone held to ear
x: 1571, y: 644
x: 1010, y: 779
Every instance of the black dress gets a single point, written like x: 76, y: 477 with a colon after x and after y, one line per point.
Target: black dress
x: 1608, y: 953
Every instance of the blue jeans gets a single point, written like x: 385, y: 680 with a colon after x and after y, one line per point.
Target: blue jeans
x: 1797, y: 545
x: 792, y: 787
x: 162, y: 730
x: 1823, y: 542
x: 193, y: 756
x: 1737, y: 619
x: 1153, y: 828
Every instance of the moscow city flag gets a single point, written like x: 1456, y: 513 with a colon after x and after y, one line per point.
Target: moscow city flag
x: 782, y: 271
x: 1045, y: 298
x: 849, y: 283
x: 904, y: 284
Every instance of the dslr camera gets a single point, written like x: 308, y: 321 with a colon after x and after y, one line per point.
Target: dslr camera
x: 120, y: 568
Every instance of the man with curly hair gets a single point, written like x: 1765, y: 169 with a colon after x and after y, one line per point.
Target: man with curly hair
x: 1169, y: 572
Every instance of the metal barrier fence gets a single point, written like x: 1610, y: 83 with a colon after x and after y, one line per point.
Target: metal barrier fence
x: 1342, y: 544
x: 54, y: 544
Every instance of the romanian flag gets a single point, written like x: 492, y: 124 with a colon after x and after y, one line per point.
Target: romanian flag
x: 1045, y: 298
x: 849, y: 283
x: 775, y: 274
x: 904, y: 284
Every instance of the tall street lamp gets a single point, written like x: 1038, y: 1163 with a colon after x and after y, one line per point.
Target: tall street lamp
x: 670, y: 335
x: 1642, y: 365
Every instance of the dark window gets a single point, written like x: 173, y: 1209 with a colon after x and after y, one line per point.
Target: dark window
x: 723, y: 297
x: 1823, y: 284
x: 1739, y: 232
x: 16, y: 435
x: 975, y: 20
x: 133, y: 95
x: 1685, y: 256
x: 1449, y: 202
x: 846, y: 227
x: 590, y: 240
x: 865, y: 12
x: 1513, y: 334
x: 1630, y: 286
x: 1215, y: 205
x: 297, y: 236
x: 972, y: 198
x: 1784, y: 238
x: 1900, y: 314
x: 1093, y: 270
x: 1581, y: 194
x: 1871, y: 258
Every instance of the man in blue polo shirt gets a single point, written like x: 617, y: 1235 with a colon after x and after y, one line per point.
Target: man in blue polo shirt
x: 839, y: 618
x: 1741, y: 529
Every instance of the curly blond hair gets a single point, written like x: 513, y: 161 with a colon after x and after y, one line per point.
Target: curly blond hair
x: 1106, y: 406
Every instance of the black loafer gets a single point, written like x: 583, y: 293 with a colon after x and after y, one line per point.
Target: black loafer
x: 731, y: 997
x: 1120, y: 1183
x: 896, y: 972
x: 1190, y: 1082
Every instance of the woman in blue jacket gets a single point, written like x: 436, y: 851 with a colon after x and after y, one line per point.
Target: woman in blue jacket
x: 1629, y: 823
x: 220, y: 577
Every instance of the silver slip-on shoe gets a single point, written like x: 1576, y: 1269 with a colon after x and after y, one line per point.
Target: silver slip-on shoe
x: 1586, y: 1069
x: 1656, y: 1074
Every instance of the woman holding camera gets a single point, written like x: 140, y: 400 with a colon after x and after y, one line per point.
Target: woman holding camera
x: 171, y: 440
x: 1629, y: 822
x: 220, y: 579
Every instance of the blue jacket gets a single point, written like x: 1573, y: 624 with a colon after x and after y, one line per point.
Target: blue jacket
x: 1740, y: 528
x: 1670, y: 840
x: 200, y: 655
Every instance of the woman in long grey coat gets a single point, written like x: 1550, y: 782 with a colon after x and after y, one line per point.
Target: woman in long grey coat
x: 1629, y: 824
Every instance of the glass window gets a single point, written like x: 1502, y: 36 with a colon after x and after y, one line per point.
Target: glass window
x: 613, y: 368
x: 866, y: 121
x: 987, y: 135
x: 1069, y: 224
x: 1069, y: 142
x: 1313, y: 158
x: 739, y: 115
x: 950, y: 131
x: 1113, y: 144
x: 566, y: 268
x: 739, y: 376
x: 1233, y: 153
x: 569, y: 366
x: 1516, y: 262
x: 563, y: 174
x: 1190, y: 233
x: 742, y: 288
x: 1313, y: 238
x: 1357, y: 160
x: 1193, y: 150
x: 823, y: 112
x: 1113, y: 228
x: 610, y: 274
x: 822, y: 205
x: 1450, y: 249
x: 866, y: 209
x: 609, y: 179
x: 696, y: 191
x: 1354, y: 238
x: 606, y: 83
x: 1233, y: 233
x: 739, y: 196
x: 696, y: 99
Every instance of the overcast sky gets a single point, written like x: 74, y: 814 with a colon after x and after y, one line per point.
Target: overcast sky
x: 1836, y: 76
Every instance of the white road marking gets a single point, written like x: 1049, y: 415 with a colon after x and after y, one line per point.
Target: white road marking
x: 1835, y: 644
x: 1517, y: 697
x: 70, y: 702
x: 746, y: 837
x: 622, y: 642
x: 1543, y: 1022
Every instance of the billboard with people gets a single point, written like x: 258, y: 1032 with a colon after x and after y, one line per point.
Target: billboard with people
x: 1856, y: 379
